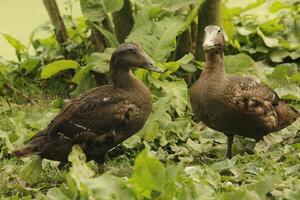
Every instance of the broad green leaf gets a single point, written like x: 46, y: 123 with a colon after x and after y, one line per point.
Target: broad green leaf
x: 239, y: 63
x: 291, y: 97
x: 110, y: 187
x: 148, y: 175
x: 295, y: 77
x: 244, y: 195
x: 272, y: 26
x: 173, y: 5
x: 55, y: 194
x: 277, y: 55
x: 111, y: 38
x: 159, y: 37
x: 174, y: 100
x: 30, y: 64
x: 244, y: 31
x: 269, y: 41
x: 32, y: 170
x: 81, y: 74
x: 295, y: 54
x: 80, y: 172
x: 14, y: 43
x: 264, y: 186
x: 278, y: 5
x: 223, y: 165
x: 79, y: 168
x: 55, y: 67
x: 84, y: 82
x: 174, y: 65
x: 97, y: 10
x: 283, y: 71
x: 100, y: 61
x: 189, y: 67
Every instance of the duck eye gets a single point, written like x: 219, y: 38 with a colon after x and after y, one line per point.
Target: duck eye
x: 219, y: 31
x: 130, y: 50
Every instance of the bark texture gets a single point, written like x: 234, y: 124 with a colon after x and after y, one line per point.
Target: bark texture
x: 209, y: 14
x: 123, y: 21
x: 57, y: 21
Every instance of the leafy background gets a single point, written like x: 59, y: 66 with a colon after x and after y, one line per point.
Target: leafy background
x: 172, y: 157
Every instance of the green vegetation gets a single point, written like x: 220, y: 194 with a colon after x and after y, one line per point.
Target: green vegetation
x: 172, y: 157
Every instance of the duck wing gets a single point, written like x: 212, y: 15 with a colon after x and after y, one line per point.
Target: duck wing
x: 100, y: 111
x: 255, y: 99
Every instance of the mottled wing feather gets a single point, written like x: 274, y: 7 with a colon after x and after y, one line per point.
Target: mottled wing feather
x: 99, y: 112
x: 254, y: 98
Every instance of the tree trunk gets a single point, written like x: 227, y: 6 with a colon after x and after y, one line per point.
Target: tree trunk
x: 209, y: 14
x: 123, y: 21
x: 97, y: 39
x: 184, y: 44
x: 57, y: 21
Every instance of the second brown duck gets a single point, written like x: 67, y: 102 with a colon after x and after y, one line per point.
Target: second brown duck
x: 232, y: 104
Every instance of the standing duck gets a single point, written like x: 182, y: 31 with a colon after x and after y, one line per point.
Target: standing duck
x: 102, y: 117
x: 235, y: 105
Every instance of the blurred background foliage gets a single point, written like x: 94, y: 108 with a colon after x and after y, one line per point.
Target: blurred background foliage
x: 262, y: 40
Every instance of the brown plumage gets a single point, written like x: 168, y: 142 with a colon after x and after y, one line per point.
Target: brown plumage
x: 235, y: 105
x: 102, y: 117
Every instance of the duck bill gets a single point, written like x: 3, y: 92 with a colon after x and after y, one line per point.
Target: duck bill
x: 153, y: 68
x: 148, y: 63
x: 209, y: 42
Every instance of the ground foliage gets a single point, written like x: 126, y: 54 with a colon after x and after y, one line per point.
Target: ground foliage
x: 172, y: 157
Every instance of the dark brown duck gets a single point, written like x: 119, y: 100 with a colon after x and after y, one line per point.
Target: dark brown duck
x: 102, y: 117
x: 235, y: 105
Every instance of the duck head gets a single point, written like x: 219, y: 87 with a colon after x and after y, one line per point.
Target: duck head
x: 129, y: 55
x: 214, y: 39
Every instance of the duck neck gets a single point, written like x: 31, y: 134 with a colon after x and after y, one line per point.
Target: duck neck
x: 123, y: 78
x: 214, y: 63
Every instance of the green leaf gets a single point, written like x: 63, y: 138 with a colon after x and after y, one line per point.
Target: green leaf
x: 55, y: 67
x: 277, y: 5
x: 110, y: 187
x: 173, y: 5
x: 80, y: 172
x: 84, y: 82
x: 79, y: 168
x: 175, y: 99
x: 277, y: 55
x: 100, y: 61
x: 159, y: 37
x: 14, y: 43
x: 148, y: 175
x: 244, y: 195
x: 32, y: 170
x: 239, y: 63
x: 271, y: 26
x: 269, y: 41
x: 97, y: 10
x: 55, y: 193
x: 295, y: 77
x: 264, y: 186
x: 111, y: 38
x: 30, y: 64
x: 81, y: 74
x: 283, y: 71
x: 174, y: 65
x: 223, y: 165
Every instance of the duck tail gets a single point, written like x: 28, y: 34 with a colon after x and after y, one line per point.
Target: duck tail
x: 33, y: 146
x: 286, y: 115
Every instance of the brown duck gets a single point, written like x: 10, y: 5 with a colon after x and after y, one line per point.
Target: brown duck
x: 102, y: 117
x: 235, y: 105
